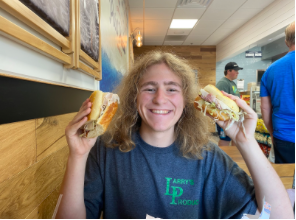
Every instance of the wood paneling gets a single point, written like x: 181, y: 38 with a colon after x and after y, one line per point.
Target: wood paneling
x: 17, y: 148
x: 24, y: 14
x: 25, y: 191
x: 200, y: 58
x: 14, y: 32
x: 46, y: 208
x: 32, y: 165
x: 50, y: 134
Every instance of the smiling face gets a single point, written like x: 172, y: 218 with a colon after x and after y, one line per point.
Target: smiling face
x: 160, y: 99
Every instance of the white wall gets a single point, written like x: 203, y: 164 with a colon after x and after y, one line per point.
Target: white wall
x: 270, y: 21
x: 18, y: 60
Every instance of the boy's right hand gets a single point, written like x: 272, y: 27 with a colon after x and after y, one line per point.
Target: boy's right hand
x: 79, y: 146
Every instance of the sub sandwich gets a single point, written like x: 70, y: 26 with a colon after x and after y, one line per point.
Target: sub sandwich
x: 211, y: 101
x: 104, y: 107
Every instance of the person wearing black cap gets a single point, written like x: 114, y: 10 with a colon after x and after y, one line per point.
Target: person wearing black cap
x: 226, y: 84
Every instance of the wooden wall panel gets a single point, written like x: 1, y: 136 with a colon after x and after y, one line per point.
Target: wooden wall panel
x: 200, y: 58
x: 50, y: 134
x: 32, y: 167
x: 46, y: 208
x: 25, y: 191
x: 17, y: 148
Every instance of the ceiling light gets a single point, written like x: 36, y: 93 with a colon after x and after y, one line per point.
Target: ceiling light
x: 183, y: 23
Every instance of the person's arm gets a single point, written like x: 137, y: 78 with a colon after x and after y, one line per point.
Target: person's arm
x: 266, y: 181
x: 266, y: 111
x: 72, y: 190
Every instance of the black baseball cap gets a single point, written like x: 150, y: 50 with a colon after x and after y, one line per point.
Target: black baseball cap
x: 232, y: 66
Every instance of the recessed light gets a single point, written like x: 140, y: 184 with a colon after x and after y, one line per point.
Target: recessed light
x: 183, y: 23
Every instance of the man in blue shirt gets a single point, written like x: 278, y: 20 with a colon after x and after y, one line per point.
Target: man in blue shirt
x: 278, y: 101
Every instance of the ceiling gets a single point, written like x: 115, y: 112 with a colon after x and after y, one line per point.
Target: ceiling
x: 215, y: 22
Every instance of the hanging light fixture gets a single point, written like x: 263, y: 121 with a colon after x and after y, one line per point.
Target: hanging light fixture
x: 136, y: 34
x: 139, y: 39
x: 139, y: 36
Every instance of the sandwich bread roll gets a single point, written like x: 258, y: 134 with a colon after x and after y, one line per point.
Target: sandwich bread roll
x: 200, y: 104
x: 211, y: 101
x: 104, y: 107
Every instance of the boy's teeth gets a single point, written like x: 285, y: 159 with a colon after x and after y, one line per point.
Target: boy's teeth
x: 160, y: 111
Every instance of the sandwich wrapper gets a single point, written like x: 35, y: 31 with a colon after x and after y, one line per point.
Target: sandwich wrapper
x: 150, y: 217
x: 265, y: 213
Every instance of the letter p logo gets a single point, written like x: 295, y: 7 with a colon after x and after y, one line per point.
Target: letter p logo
x: 175, y: 194
x: 175, y: 191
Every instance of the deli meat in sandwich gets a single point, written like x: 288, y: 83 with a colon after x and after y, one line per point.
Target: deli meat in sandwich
x: 104, y: 107
x: 211, y: 101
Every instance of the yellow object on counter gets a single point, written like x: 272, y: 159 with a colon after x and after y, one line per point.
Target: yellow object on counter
x: 261, y: 126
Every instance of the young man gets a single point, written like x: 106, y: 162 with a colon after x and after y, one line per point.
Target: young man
x: 155, y: 157
x: 226, y: 84
x: 277, y: 91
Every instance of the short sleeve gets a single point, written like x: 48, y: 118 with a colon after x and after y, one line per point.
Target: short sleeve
x: 238, y: 196
x: 263, y: 85
x: 93, y: 184
x: 231, y: 188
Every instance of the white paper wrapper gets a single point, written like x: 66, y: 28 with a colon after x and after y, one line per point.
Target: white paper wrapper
x: 265, y: 213
x: 150, y: 217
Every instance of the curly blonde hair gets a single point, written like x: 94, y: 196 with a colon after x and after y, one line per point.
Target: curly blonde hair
x: 190, y: 130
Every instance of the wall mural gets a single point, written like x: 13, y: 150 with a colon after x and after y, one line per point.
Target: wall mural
x: 114, y: 43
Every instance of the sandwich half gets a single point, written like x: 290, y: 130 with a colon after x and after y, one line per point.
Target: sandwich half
x: 211, y: 101
x: 104, y: 107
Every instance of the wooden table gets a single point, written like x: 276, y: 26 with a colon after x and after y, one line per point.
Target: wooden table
x: 285, y: 171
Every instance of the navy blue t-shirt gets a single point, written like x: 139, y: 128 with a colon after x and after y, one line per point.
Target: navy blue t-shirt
x: 161, y: 183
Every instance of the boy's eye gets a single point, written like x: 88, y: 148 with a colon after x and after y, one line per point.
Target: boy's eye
x: 172, y: 90
x: 149, y: 90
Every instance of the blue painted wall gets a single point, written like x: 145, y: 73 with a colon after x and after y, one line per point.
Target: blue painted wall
x: 250, y: 66
x: 111, y: 77
x: 114, y: 43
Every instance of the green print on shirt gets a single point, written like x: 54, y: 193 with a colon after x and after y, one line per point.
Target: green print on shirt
x: 178, y: 191
x: 234, y: 90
